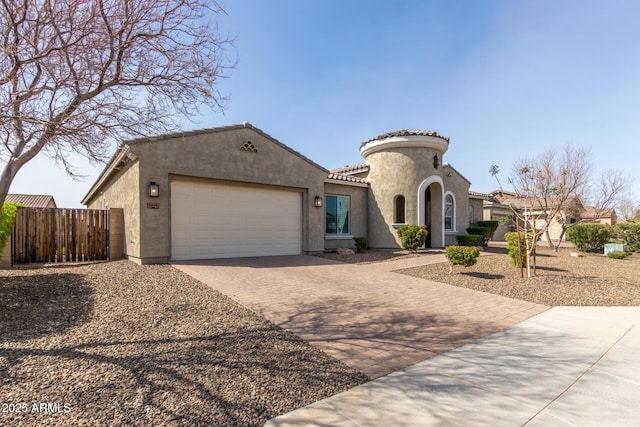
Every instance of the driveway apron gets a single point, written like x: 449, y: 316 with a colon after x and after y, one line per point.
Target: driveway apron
x: 365, y: 315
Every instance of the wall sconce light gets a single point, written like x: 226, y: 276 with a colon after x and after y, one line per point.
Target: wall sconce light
x: 154, y: 189
x: 317, y: 202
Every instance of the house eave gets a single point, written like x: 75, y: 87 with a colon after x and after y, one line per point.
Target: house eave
x: 121, y: 157
x: 348, y: 183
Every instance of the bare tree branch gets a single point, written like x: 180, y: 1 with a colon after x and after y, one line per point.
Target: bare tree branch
x: 76, y: 75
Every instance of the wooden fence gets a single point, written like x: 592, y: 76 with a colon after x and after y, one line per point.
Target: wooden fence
x: 60, y: 235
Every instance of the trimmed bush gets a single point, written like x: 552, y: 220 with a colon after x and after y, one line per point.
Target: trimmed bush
x: 361, y: 244
x: 412, y: 236
x: 461, y: 255
x: 470, y: 240
x: 617, y: 255
x: 512, y: 247
x: 485, y: 232
x: 629, y: 232
x: 493, y: 225
x: 589, y: 237
x: 7, y: 219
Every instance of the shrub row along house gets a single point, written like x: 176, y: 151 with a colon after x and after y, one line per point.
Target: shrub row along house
x: 235, y: 191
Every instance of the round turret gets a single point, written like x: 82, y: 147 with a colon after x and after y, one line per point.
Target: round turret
x: 406, y: 179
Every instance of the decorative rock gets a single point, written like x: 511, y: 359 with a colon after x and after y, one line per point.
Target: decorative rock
x: 345, y: 251
x: 576, y: 255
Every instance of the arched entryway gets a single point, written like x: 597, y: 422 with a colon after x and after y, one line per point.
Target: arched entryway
x: 430, y: 210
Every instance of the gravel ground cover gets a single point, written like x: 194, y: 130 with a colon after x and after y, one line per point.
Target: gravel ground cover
x: 589, y: 280
x: 121, y: 344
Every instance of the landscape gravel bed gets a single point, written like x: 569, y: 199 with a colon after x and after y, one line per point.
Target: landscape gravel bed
x: 562, y: 279
x: 589, y: 279
x: 121, y: 344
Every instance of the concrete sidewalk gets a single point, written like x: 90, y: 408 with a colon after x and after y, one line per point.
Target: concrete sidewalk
x: 568, y: 366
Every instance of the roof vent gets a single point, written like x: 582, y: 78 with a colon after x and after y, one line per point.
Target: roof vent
x: 248, y: 146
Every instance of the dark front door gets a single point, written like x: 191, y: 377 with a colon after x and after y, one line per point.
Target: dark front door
x: 427, y: 215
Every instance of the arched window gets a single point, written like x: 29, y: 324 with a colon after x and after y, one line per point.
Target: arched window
x: 448, y: 212
x: 398, y: 210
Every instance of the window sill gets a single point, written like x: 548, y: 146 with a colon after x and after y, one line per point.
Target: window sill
x: 398, y: 224
x: 338, y: 236
x: 450, y: 231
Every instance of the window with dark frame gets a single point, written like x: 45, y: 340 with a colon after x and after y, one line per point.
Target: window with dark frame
x: 448, y: 212
x: 337, y: 214
x: 399, y: 208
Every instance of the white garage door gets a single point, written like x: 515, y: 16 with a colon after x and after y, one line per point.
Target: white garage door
x: 220, y: 221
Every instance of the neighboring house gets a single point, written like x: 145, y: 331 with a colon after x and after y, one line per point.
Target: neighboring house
x: 494, y: 210
x: 476, y: 206
x: 502, y: 202
x: 235, y: 191
x: 32, y: 200
x: 600, y: 216
x: 29, y: 201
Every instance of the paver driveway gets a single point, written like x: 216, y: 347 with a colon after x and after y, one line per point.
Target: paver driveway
x: 367, y: 316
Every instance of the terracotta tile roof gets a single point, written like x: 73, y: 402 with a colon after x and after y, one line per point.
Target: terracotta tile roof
x: 32, y: 200
x: 406, y: 132
x: 477, y: 195
x: 346, y: 178
x: 351, y: 169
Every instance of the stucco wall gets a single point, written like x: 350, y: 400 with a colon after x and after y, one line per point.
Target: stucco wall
x: 216, y: 156
x: 455, y: 184
x: 123, y: 192
x: 358, y: 214
x: 393, y: 172
x: 477, y: 210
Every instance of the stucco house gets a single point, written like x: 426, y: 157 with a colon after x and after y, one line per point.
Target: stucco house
x: 599, y: 216
x: 500, y: 204
x: 235, y: 191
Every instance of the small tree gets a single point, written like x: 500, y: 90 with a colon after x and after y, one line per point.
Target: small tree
x: 627, y: 209
x: 77, y: 74
x: 552, y: 187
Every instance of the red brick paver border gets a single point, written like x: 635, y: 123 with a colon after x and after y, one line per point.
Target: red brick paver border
x: 367, y: 316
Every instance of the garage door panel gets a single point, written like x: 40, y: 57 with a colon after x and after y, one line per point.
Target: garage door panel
x: 217, y: 221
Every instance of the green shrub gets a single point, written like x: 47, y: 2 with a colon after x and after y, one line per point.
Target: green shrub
x: 7, y: 219
x: 485, y: 232
x: 518, y: 258
x: 629, y: 232
x: 617, y: 255
x: 361, y: 244
x: 589, y: 237
x: 470, y: 239
x: 461, y: 255
x: 412, y: 236
x: 493, y: 225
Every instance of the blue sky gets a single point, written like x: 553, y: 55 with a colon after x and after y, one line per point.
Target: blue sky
x: 504, y: 79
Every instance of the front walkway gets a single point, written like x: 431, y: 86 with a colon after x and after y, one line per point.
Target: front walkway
x: 568, y: 366
x: 367, y: 316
